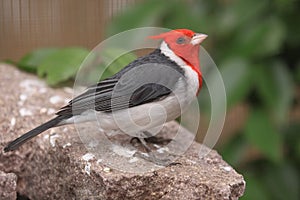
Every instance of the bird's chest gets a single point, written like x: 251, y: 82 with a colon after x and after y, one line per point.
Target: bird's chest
x: 187, y: 86
x: 183, y: 94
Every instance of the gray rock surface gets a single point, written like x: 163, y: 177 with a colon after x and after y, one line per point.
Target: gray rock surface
x: 56, y: 165
x: 8, y: 186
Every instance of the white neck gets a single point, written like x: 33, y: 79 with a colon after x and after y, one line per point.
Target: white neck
x: 190, y: 74
x: 169, y: 53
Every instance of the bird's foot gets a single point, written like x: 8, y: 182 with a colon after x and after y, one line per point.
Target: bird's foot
x: 151, y: 140
x: 156, y: 159
x: 142, y: 141
x: 163, y: 159
x: 157, y: 140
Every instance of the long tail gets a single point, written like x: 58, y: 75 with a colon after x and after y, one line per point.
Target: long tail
x: 34, y: 132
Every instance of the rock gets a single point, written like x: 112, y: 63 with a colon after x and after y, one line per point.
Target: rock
x: 57, y: 164
x: 8, y: 186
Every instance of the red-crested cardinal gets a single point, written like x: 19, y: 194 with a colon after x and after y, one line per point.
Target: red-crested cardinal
x: 170, y: 78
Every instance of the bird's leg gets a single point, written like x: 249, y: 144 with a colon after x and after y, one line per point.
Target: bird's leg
x: 152, y: 139
x: 150, y: 155
x: 158, y: 160
x: 142, y: 141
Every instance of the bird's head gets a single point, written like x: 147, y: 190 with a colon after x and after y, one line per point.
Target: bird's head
x: 184, y: 43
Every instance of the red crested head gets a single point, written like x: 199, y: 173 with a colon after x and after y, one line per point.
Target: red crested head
x: 185, y: 44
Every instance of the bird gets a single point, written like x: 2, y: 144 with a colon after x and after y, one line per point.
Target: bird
x: 153, y: 89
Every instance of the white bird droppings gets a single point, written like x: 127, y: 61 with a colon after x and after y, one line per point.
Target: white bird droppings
x: 51, y: 111
x: 55, y: 99
x: 122, y: 151
x: 99, y: 161
x: 87, y: 168
x: 162, y: 150
x: 25, y: 112
x: 12, y: 122
x: 43, y: 110
x: 42, y: 90
x: 46, y: 136
x: 88, y: 156
x: 23, y: 97
x: 53, y: 139
x: 134, y: 159
x: 106, y: 169
x: 68, y: 90
x: 227, y: 168
x: 93, y: 144
x: 66, y: 145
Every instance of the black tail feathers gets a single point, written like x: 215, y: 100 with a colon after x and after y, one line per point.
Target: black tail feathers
x: 34, y: 132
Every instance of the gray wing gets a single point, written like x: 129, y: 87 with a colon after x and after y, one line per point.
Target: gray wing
x: 139, y: 87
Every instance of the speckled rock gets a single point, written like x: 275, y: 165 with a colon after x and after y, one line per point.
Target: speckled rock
x: 56, y: 165
x: 8, y: 186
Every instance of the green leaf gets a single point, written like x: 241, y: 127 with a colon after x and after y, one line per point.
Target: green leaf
x: 234, y: 15
x: 283, y: 181
x: 274, y: 36
x: 9, y: 61
x: 274, y: 84
x: 234, y: 150
x: 185, y: 17
x: 261, y: 133
x: 259, y: 39
x: 114, y: 62
x: 298, y: 72
x: 31, y: 61
x: 285, y: 91
x: 292, y: 140
x: 61, y: 65
x: 255, y: 189
x: 236, y: 74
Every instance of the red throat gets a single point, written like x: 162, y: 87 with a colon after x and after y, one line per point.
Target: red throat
x: 190, y: 54
x: 193, y: 61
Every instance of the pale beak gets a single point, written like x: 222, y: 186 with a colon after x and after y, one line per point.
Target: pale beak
x: 198, y: 38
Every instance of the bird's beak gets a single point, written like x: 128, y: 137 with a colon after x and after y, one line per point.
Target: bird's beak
x: 198, y: 38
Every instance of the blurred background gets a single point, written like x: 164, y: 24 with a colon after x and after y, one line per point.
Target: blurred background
x: 255, y: 44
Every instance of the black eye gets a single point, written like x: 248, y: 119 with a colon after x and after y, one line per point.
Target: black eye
x: 180, y: 40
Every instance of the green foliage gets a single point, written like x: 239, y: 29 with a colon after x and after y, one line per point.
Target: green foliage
x: 56, y: 65
x: 271, y: 181
x: 236, y: 74
x: 298, y: 73
x: 275, y: 87
x: 117, y: 64
x: 61, y: 65
x: 255, y: 188
x: 31, y: 61
x: 254, y: 44
x: 261, y: 133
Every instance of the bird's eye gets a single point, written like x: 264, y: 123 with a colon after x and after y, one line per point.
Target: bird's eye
x: 180, y: 40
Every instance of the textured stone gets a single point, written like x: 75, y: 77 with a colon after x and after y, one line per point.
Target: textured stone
x: 56, y: 165
x: 8, y: 186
